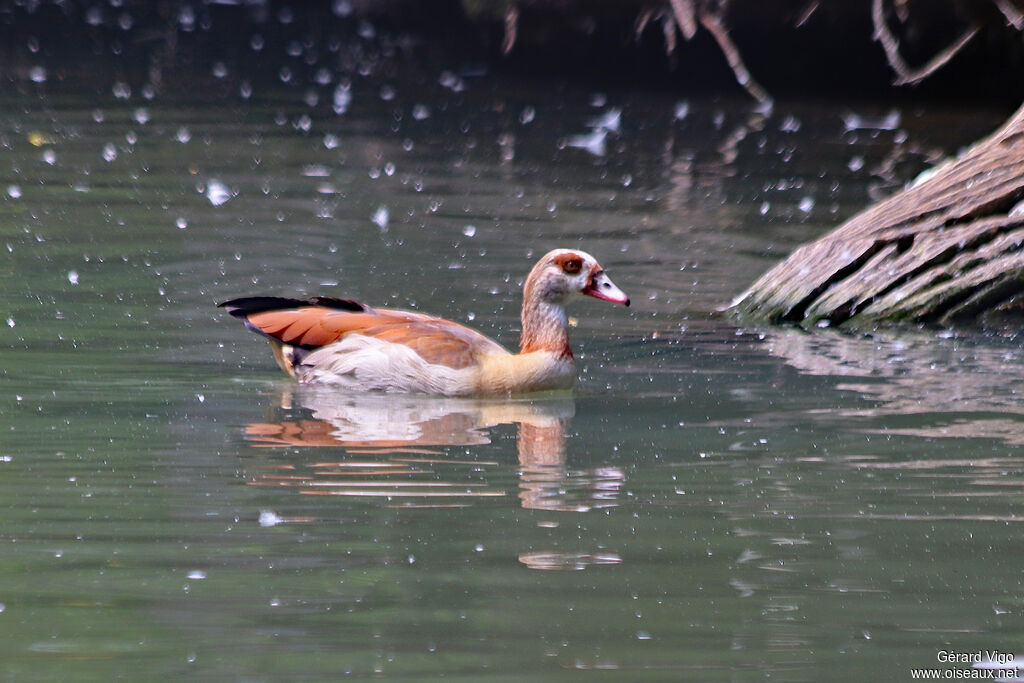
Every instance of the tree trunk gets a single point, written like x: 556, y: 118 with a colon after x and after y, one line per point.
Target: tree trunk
x: 946, y: 249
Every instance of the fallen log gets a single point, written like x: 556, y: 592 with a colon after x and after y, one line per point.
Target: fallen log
x: 949, y: 248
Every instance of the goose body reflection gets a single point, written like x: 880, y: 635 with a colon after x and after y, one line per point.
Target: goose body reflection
x: 350, y: 345
x: 391, y: 445
x: 390, y: 423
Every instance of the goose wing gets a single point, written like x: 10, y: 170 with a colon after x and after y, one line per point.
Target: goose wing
x: 314, y: 323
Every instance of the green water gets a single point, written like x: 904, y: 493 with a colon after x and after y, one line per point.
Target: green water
x: 712, y: 503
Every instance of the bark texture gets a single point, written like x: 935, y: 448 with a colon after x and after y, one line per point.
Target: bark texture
x: 948, y: 248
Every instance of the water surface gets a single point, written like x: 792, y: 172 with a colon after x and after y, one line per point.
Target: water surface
x: 713, y: 502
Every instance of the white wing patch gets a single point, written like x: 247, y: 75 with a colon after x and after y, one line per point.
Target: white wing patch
x: 368, y: 364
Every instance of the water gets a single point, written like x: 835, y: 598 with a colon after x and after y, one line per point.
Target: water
x: 714, y: 502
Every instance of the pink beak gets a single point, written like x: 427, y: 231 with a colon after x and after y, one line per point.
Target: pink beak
x: 601, y: 287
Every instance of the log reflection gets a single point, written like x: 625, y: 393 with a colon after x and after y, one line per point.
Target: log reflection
x: 957, y: 387
x: 393, y: 449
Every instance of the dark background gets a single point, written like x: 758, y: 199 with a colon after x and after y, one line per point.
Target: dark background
x: 794, y: 48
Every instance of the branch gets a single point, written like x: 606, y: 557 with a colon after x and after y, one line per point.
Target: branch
x: 1012, y: 14
x: 902, y: 10
x: 511, y: 29
x: 686, y: 17
x: 642, y: 20
x: 721, y: 35
x: 906, y: 74
x: 668, y: 27
x: 810, y: 9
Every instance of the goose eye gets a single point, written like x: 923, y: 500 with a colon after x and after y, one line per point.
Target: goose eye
x: 572, y: 266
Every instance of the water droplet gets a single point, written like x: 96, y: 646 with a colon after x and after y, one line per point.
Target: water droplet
x: 342, y: 98
x: 197, y: 575
x: 316, y: 171
x: 73, y: 277
x: 380, y: 217
x: 790, y: 124
x: 181, y: 223
x: 109, y: 152
x: 201, y: 398
x: 610, y: 120
x: 269, y: 518
x: 37, y: 74
x: 14, y: 192
x: 187, y: 18
x: 217, y: 192
x: 593, y: 142
x: 342, y: 8
x: 889, y: 121
x: 452, y: 82
x: 469, y: 230
x: 420, y: 112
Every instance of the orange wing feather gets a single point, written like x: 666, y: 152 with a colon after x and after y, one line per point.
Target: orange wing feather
x: 436, y: 340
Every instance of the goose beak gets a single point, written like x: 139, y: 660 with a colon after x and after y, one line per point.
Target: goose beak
x: 600, y: 286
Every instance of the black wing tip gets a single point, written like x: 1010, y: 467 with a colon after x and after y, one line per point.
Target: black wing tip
x: 251, y: 305
x: 339, y: 304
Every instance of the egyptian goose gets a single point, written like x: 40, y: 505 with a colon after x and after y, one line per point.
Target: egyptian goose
x: 341, y: 342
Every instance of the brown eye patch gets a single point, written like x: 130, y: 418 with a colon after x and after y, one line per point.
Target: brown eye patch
x: 569, y: 263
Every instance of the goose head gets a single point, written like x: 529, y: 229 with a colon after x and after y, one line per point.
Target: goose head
x: 565, y: 274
